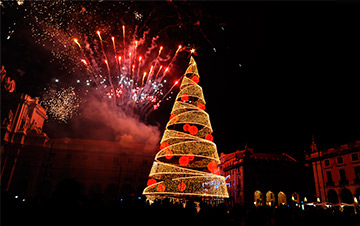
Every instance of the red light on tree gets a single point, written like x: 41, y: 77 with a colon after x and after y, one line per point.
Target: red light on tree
x: 181, y: 186
x: 193, y: 130
x: 216, y: 171
x: 201, y: 106
x: 169, y: 154
x: 212, y: 166
x: 185, y: 98
x: 183, y: 161
x: 186, y: 127
x: 209, y: 137
x: 174, y: 118
x: 151, y: 182
x: 195, y: 79
x: 164, y: 145
x: 161, y: 188
x: 190, y: 156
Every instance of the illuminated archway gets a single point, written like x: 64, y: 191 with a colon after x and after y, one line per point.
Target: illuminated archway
x: 295, y: 197
x: 258, y: 198
x: 332, y: 196
x: 346, y: 196
x: 282, y: 199
x: 270, y: 198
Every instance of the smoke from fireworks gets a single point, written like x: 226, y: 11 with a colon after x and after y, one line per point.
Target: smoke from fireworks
x: 111, y: 47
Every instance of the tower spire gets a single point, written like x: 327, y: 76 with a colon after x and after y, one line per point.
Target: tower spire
x: 313, y: 145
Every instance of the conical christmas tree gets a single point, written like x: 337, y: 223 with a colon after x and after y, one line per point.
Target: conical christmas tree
x: 186, y: 167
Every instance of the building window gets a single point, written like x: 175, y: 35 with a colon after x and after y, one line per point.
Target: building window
x: 340, y: 160
x: 357, y: 172
x: 327, y: 162
x: 329, y: 176
x: 329, y: 179
x: 343, y: 180
x: 355, y: 157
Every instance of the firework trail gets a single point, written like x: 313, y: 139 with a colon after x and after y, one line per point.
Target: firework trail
x: 121, y: 62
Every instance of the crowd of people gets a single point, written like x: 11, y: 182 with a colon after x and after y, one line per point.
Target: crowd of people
x: 71, y: 208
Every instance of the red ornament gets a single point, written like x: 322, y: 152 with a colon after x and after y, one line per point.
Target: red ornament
x: 209, y: 137
x: 201, y: 106
x: 151, y: 182
x: 169, y: 154
x: 186, y: 127
x: 212, y: 166
x: 193, y: 130
x: 161, y: 188
x: 164, y: 145
x: 216, y: 171
x: 195, y: 79
x: 174, y: 118
x: 181, y: 186
x: 184, y: 97
x: 183, y: 161
x: 190, y: 156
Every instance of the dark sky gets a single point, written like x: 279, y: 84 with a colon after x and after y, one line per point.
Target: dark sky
x: 269, y: 72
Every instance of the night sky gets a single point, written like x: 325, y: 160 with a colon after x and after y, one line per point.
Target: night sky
x: 268, y: 71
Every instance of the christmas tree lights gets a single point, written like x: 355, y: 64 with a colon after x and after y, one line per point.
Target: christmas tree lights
x: 186, y: 167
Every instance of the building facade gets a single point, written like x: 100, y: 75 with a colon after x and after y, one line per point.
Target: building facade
x: 336, y: 172
x: 263, y: 178
x: 36, y: 166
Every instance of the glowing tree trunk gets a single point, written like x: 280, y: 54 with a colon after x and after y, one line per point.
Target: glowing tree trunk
x: 186, y: 167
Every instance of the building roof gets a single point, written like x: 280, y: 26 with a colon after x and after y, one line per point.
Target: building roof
x: 257, y: 156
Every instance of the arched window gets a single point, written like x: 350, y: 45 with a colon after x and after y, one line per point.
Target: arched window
x: 295, y: 197
x: 346, y: 196
x: 270, y: 198
x: 332, y: 196
x: 282, y: 198
x: 258, y: 198
x: 357, y: 195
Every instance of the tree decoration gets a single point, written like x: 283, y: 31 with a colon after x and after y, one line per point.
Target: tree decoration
x: 209, y: 137
x: 195, y: 79
x: 185, y: 98
x: 161, y: 188
x: 193, y: 130
x: 151, y: 182
x: 190, y: 156
x: 169, y: 154
x: 201, y: 106
x: 182, y: 186
x: 186, y: 167
x: 186, y: 127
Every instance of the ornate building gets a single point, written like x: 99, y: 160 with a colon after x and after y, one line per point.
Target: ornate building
x: 36, y: 166
x: 21, y: 129
x: 336, y: 172
x: 263, y: 178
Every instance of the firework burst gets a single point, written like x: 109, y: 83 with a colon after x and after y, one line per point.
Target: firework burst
x: 113, y: 50
x: 62, y: 104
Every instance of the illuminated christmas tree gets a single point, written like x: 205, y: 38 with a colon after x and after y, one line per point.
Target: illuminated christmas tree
x: 186, y: 167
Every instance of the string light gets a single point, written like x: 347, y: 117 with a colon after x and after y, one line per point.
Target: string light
x: 186, y: 167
